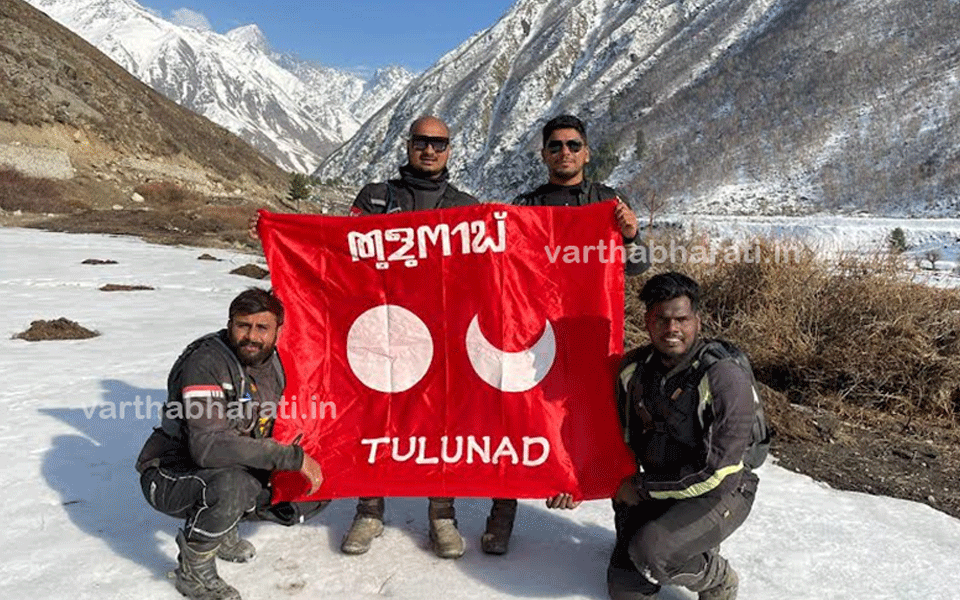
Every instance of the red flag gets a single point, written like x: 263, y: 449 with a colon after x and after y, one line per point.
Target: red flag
x: 458, y: 352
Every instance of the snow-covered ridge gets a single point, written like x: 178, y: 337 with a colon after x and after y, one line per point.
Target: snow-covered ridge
x: 717, y: 106
x: 541, y: 59
x: 723, y: 106
x: 293, y: 111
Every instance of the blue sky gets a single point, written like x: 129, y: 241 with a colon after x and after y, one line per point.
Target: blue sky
x: 348, y: 34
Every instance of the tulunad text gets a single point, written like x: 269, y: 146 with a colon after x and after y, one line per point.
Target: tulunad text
x: 533, y: 451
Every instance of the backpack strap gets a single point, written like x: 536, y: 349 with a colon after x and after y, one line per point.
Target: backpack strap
x: 392, y: 205
x: 713, y: 352
x: 629, y: 374
x: 593, y: 193
x: 174, y: 427
x: 278, y: 365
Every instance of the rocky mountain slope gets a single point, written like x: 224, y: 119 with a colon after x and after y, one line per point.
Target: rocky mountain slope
x: 85, y: 146
x: 63, y: 87
x: 728, y: 106
x: 293, y: 111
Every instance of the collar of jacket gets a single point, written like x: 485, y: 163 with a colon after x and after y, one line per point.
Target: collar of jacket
x: 576, y: 189
x: 416, y: 179
x: 685, y: 360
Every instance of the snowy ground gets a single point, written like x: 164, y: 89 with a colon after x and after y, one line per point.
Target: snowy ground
x: 77, y: 526
x: 835, y: 235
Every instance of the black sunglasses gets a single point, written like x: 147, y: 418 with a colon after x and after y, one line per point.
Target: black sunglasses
x: 420, y: 142
x: 555, y: 146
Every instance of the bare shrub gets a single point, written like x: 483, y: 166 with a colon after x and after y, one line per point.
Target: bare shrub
x: 652, y: 205
x: 855, y: 333
x: 29, y: 194
x: 932, y: 256
x: 167, y: 193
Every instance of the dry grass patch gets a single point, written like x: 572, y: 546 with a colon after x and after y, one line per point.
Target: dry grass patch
x: 30, y: 194
x: 852, y: 335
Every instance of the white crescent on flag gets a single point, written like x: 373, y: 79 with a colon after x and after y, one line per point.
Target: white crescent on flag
x: 511, y: 371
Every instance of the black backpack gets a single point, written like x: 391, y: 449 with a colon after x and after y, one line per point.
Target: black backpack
x: 715, y: 351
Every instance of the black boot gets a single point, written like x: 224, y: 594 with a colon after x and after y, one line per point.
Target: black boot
x: 496, y: 539
x: 196, y: 572
x: 234, y: 548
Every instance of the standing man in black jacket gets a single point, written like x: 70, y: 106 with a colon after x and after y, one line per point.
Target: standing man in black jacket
x: 210, y: 460
x: 565, y: 153
x: 423, y: 185
x: 423, y: 182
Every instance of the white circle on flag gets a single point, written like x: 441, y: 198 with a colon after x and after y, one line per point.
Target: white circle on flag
x: 389, y: 348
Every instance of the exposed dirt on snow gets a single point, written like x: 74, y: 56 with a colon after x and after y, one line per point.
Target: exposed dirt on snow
x: 119, y: 287
x: 57, y: 329
x: 870, y: 452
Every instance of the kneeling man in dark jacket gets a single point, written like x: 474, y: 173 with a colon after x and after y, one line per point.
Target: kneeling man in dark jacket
x: 210, y: 460
x: 691, y: 415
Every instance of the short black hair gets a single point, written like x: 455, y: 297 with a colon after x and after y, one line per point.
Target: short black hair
x: 255, y: 300
x: 667, y: 286
x: 564, y: 122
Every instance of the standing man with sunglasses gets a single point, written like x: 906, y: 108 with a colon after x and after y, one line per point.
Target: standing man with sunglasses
x: 422, y: 185
x: 565, y: 153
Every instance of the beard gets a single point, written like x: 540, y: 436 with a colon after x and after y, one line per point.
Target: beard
x: 252, y: 353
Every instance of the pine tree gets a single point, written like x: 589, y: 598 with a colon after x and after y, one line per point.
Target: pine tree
x: 299, y: 188
x: 897, y: 241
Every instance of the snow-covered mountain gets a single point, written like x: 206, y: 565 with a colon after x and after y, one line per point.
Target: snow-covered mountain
x: 754, y: 106
x: 293, y: 111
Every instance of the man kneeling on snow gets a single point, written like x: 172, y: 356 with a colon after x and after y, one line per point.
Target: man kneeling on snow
x: 210, y: 460
x: 690, y: 412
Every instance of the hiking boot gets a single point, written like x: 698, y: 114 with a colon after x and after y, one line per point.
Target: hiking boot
x: 233, y: 548
x: 361, y: 534
x: 629, y: 584
x: 447, y: 542
x: 196, y: 572
x: 496, y: 538
x: 726, y: 590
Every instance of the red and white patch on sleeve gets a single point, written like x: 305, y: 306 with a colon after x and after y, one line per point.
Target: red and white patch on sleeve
x: 202, y: 392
